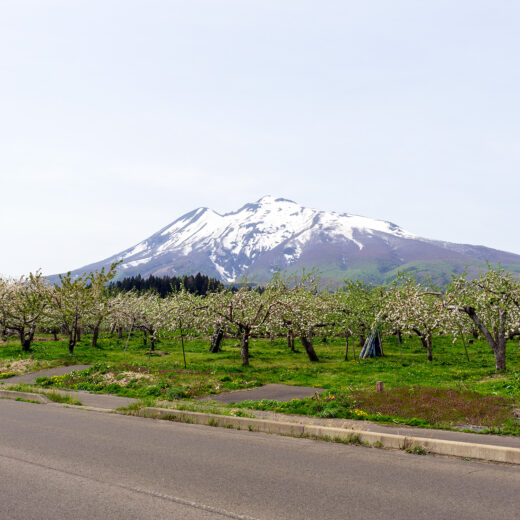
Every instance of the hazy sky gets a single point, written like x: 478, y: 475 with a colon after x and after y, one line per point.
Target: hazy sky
x: 116, y: 117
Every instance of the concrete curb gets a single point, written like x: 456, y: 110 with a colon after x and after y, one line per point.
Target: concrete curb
x: 226, y: 421
x: 82, y: 407
x: 13, y: 394
x: 43, y: 399
x: 349, y: 436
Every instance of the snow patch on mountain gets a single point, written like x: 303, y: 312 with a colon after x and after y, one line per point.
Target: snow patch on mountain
x: 135, y: 263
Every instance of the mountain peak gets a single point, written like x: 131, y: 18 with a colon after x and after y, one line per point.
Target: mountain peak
x: 269, y: 199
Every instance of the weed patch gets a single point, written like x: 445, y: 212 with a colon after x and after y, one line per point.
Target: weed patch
x: 437, y: 406
x: 416, y: 450
x: 62, y: 398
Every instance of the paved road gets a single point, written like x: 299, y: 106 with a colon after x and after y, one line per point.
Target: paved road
x: 62, y: 463
x: 269, y: 391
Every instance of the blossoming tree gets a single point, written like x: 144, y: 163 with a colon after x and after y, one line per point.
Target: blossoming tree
x: 492, y: 303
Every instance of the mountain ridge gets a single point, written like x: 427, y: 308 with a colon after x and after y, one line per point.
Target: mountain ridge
x: 276, y: 234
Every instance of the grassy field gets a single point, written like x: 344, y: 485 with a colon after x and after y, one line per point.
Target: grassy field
x: 447, y: 392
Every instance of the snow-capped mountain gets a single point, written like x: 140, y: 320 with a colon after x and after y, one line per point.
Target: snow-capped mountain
x: 277, y: 234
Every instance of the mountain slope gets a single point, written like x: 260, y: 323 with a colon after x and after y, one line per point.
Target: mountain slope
x: 278, y: 234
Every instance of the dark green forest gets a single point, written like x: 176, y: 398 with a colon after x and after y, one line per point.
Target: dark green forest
x: 199, y: 284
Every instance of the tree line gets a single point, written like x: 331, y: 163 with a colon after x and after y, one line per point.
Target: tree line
x: 289, y: 306
x: 200, y: 284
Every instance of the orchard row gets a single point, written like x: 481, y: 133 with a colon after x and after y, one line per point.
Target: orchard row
x: 289, y: 305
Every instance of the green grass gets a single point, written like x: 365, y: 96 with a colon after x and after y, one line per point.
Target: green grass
x: 163, y: 377
x: 418, y: 406
x: 62, y: 398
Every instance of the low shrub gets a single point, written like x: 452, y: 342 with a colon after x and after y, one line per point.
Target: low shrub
x: 174, y: 392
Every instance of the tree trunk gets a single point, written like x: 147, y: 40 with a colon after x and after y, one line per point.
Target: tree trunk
x: 346, y: 347
x: 26, y: 345
x: 362, y: 340
x: 429, y: 348
x: 426, y: 343
x: 244, y: 347
x: 500, y: 353
x: 78, y: 333
x: 216, y: 340
x: 152, y: 342
x: 119, y: 332
x: 307, y: 343
x: 290, y: 341
x: 95, y: 336
x: 145, y: 338
x: 72, y: 341
x: 182, y: 343
x: 55, y: 335
x: 26, y: 337
x: 498, y: 343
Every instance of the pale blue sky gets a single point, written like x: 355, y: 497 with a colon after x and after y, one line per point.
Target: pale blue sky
x: 118, y: 116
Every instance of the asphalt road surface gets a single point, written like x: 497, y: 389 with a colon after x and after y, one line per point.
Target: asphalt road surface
x: 58, y: 463
x: 269, y: 391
